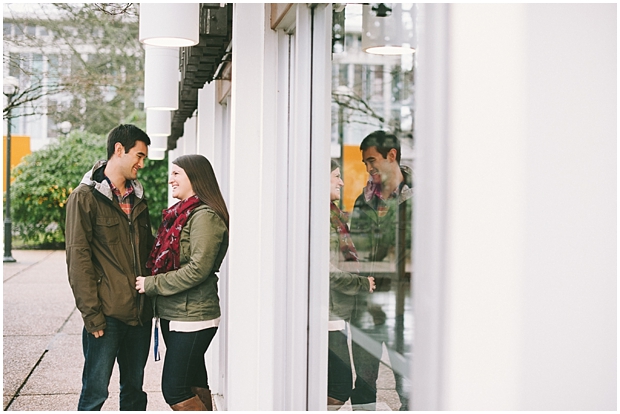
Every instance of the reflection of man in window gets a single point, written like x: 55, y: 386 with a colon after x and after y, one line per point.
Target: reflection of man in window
x: 381, y: 229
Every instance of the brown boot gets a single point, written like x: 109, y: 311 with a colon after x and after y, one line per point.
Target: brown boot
x: 334, y: 404
x: 193, y: 404
x: 205, y: 396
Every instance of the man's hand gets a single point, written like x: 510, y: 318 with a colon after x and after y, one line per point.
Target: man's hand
x: 140, y: 284
x: 372, y: 284
x: 98, y: 334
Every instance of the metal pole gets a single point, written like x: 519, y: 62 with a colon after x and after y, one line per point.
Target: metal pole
x: 7, y: 216
x: 341, y: 142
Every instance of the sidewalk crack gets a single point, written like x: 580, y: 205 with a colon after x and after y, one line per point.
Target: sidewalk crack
x: 26, y: 268
x: 25, y: 381
x: 47, y: 348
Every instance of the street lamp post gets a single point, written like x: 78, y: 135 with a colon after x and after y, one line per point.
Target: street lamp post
x: 10, y: 87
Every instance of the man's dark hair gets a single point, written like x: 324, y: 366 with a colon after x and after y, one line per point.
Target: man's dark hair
x: 384, y: 142
x: 126, y: 135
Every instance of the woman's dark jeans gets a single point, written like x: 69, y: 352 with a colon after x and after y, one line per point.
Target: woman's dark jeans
x: 129, y: 345
x: 184, y: 363
x: 339, y: 375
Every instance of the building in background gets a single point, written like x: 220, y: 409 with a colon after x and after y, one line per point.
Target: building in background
x: 79, y: 67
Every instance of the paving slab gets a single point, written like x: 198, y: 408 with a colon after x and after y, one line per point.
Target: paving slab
x: 31, y: 319
x: 24, y: 259
x: 60, y: 370
x: 54, y: 402
x: 40, y: 322
x: 20, y: 354
x: 75, y: 324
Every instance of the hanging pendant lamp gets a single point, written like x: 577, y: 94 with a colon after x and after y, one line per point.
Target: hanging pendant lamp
x: 161, y: 78
x: 159, y: 142
x: 388, y: 28
x: 158, y: 123
x: 157, y: 155
x: 169, y: 24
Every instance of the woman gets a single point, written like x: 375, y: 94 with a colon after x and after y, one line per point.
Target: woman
x: 190, y: 246
x: 344, y: 286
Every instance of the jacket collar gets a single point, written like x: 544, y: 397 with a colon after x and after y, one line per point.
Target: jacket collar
x: 95, y: 178
x: 402, y: 193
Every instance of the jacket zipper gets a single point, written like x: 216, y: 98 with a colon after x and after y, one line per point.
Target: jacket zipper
x: 132, y: 234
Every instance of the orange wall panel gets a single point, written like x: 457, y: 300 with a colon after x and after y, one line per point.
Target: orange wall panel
x: 354, y: 174
x: 20, y: 147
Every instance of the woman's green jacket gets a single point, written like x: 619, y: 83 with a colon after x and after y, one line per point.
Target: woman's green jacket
x: 190, y: 293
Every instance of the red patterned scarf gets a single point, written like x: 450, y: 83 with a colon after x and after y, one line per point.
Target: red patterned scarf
x: 339, y: 221
x: 165, y: 255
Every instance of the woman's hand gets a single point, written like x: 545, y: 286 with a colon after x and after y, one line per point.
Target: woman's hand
x: 140, y: 284
x: 372, y: 283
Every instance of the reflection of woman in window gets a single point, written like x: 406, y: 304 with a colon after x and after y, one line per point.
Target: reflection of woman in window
x: 190, y: 246
x: 345, y: 283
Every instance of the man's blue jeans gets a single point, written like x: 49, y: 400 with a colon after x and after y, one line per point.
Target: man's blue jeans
x: 129, y: 345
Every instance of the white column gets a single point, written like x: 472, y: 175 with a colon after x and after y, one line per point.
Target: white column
x: 298, y: 216
x: 207, y: 123
x: 529, y: 311
x: 486, y: 186
x: 253, y: 185
x: 320, y: 143
x: 189, y: 135
x: 206, y: 136
x: 569, y: 345
x: 429, y: 218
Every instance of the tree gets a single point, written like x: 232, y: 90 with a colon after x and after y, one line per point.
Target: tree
x: 81, y: 63
x: 44, y: 180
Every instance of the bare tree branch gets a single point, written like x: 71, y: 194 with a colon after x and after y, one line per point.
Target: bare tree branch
x: 94, y: 63
x: 113, y: 9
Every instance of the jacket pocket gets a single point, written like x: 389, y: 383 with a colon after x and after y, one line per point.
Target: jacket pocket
x: 107, y: 230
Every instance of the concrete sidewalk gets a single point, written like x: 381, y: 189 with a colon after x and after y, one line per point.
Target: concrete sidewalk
x: 42, y: 345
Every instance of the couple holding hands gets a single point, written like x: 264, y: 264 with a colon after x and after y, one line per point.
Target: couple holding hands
x: 121, y: 278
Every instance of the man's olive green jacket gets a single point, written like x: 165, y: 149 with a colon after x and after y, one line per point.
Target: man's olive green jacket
x: 106, y: 251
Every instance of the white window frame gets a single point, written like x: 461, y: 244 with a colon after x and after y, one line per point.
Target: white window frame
x: 276, y: 335
x: 430, y: 192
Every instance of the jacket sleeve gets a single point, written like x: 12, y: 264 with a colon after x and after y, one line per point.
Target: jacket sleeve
x: 339, y: 280
x: 82, y: 274
x: 347, y: 283
x: 206, y: 233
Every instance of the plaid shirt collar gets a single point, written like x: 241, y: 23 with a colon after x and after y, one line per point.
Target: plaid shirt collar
x: 374, y: 190
x: 124, y: 200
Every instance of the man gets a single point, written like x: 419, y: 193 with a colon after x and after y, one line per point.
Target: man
x: 108, y: 240
x: 381, y: 230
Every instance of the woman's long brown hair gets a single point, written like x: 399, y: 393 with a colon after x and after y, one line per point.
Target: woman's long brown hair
x: 204, y: 183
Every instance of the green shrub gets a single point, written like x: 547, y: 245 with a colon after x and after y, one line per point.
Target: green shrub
x: 45, y: 178
x: 154, y: 178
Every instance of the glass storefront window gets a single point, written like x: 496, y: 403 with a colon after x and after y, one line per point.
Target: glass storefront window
x: 371, y: 316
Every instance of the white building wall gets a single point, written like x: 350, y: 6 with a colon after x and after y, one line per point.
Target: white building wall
x: 251, y: 332
x: 486, y: 195
x: 190, y: 135
x: 207, y: 124
x: 569, y: 344
x: 206, y: 127
x: 276, y: 168
x: 528, y: 313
